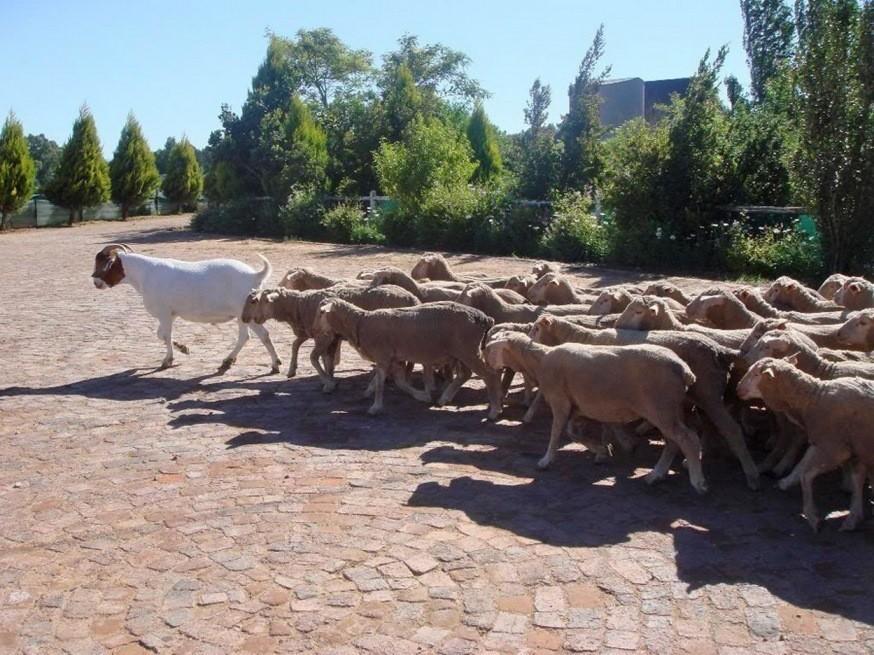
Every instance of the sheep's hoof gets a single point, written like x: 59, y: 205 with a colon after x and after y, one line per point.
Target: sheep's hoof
x: 329, y: 387
x: 291, y: 373
x: 181, y: 347
x: 226, y: 364
x: 167, y: 363
x: 274, y: 369
x: 544, y: 462
x: 374, y: 411
x: 494, y: 414
x: 814, y: 522
x: 651, y: 478
x: 784, y: 484
x: 850, y: 523
x: 701, y: 488
x: 753, y: 482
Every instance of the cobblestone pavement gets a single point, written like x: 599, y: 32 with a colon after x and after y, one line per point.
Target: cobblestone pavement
x: 181, y: 512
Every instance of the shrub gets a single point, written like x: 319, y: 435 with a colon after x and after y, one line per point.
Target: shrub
x: 302, y: 215
x: 244, y: 216
x: 346, y: 223
x: 771, y: 251
x: 574, y: 233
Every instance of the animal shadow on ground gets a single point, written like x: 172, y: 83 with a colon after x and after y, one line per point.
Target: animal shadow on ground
x: 731, y: 535
x: 297, y: 412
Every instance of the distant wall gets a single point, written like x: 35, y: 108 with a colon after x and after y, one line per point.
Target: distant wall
x: 621, y: 101
x: 39, y: 212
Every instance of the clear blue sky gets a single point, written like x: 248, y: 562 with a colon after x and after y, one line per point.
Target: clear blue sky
x: 175, y: 63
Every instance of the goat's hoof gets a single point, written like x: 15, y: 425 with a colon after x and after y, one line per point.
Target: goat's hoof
x: 226, y: 364
x: 167, y: 363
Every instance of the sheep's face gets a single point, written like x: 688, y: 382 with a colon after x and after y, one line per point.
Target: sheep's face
x: 639, y: 315
x: 703, y: 308
x: 542, y: 268
x: 749, y: 387
x: 855, y: 332
x: 830, y: 286
x: 769, y: 345
x: 322, y: 321
x: 520, y: 284
x: 294, y: 279
x: 539, y: 291
x: 108, y: 269
x: 258, y: 307
x: 851, y: 294
x: 543, y: 331
x: 496, y: 352
x: 608, y: 302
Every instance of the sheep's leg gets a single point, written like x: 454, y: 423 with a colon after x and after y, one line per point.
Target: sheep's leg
x: 561, y: 412
x: 732, y: 434
x: 822, y: 461
x: 335, y: 351
x: 776, y: 454
x: 489, y: 376
x: 690, y: 445
x: 625, y: 437
x: 857, y: 502
x: 532, y: 408
x: 660, y: 470
x: 529, y: 393
x: 321, y: 348
x: 295, y: 347
x: 462, y: 375
x: 264, y: 336
x: 430, y: 383
x: 795, y: 476
x: 403, y: 383
x: 165, y: 334
x: 797, y: 442
x: 242, y: 338
x: 378, y: 391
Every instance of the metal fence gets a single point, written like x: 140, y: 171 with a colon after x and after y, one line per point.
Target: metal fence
x: 39, y: 212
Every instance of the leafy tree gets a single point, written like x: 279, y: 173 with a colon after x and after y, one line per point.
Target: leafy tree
x: 580, y: 129
x: 162, y: 155
x: 307, y: 153
x: 537, y: 109
x: 402, y: 101
x: 82, y: 177
x: 698, y: 176
x: 132, y: 171
x: 17, y: 170
x: 184, y: 181
x: 354, y: 125
x: 321, y: 64
x: 438, y: 71
x: 835, y: 72
x: 46, y: 155
x: 483, y: 140
x: 768, y: 30
x: 220, y: 184
x: 431, y: 155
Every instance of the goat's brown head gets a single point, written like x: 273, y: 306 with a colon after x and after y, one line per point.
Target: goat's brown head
x: 108, y: 269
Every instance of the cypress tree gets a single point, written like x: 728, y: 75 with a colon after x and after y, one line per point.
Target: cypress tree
x: 184, y: 181
x: 17, y: 170
x: 484, y: 142
x: 308, y: 144
x: 132, y: 171
x: 82, y: 178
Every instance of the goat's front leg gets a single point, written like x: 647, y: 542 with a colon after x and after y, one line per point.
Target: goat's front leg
x: 242, y: 338
x: 165, y: 334
x: 262, y: 333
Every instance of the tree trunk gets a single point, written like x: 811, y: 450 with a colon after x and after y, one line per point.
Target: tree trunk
x: 71, y: 218
x: 81, y: 214
x: 124, y: 212
x: 3, y: 217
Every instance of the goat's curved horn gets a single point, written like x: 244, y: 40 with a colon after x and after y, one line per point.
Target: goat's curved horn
x: 112, y: 247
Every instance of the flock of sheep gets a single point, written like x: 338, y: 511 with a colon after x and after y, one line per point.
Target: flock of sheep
x: 787, y: 365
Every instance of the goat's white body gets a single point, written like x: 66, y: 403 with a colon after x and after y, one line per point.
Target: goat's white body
x: 209, y: 291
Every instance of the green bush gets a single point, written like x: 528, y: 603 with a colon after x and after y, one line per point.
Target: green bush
x: 346, y: 223
x: 245, y: 217
x: 772, y: 251
x: 302, y: 215
x: 574, y: 234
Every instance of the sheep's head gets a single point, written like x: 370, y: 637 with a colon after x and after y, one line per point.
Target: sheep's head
x: 858, y: 331
x: 498, y: 352
x: 108, y: 269
x: 830, y: 286
x: 322, y: 321
x: 643, y: 313
x: 520, y: 284
x: 539, y: 291
x: 543, y: 330
x: 294, y: 279
x: 760, y: 328
x: 750, y: 384
x: 542, y: 268
x: 852, y: 294
x: 471, y: 295
x: 776, y: 345
x: 433, y: 266
x: 259, y: 306
x: 610, y: 301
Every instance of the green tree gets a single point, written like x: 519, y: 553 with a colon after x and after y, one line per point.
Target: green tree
x: 184, y: 181
x: 46, y: 155
x: 307, y: 149
x: 580, y: 129
x: 132, y: 171
x: 221, y: 184
x: 768, y: 30
x: 431, y: 156
x: 82, y: 177
x: 537, y: 109
x: 162, y: 155
x: 17, y: 170
x: 835, y: 72
x: 540, y: 153
x: 484, y: 142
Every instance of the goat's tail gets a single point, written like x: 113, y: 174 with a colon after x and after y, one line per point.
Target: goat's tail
x: 265, y: 272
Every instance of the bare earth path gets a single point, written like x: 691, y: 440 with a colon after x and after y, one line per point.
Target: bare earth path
x: 179, y: 512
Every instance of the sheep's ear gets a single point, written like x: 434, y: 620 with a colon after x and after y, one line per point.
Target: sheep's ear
x: 553, y: 282
x: 791, y: 286
x: 768, y: 372
x: 855, y: 287
x: 547, y: 320
x: 272, y: 296
x: 327, y: 307
x: 782, y: 324
x: 793, y: 358
x: 655, y: 309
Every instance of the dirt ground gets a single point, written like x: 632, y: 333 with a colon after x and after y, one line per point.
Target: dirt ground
x: 183, y: 512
